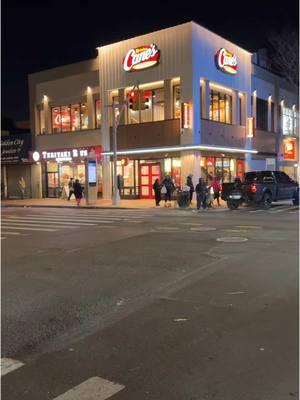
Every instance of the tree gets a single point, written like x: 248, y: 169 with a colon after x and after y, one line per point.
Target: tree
x: 285, y: 55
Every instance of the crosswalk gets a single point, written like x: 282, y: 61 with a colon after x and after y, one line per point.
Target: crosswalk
x: 53, y: 221
x: 274, y: 210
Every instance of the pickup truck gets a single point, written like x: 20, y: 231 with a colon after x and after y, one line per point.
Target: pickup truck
x: 260, y: 188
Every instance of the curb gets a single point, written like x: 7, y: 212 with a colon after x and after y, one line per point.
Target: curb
x: 71, y: 207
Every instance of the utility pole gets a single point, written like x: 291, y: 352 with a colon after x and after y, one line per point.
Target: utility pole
x: 116, y: 120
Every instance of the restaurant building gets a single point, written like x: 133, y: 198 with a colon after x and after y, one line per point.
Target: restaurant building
x: 188, y: 102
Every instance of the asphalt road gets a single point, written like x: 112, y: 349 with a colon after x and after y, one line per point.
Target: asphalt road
x: 150, y: 304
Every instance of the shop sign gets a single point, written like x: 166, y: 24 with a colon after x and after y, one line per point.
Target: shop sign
x: 250, y: 127
x: 226, y: 61
x: 65, y: 155
x: 185, y: 112
x: 15, y: 148
x: 289, y: 149
x: 141, y: 58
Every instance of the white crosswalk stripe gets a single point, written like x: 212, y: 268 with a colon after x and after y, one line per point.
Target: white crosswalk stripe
x: 36, y: 220
x: 30, y: 228
x: 35, y: 224
x: 95, y: 388
x: 9, y: 365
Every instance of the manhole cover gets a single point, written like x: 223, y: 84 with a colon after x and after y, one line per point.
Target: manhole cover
x: 203, y: 229
x: 232, y: 239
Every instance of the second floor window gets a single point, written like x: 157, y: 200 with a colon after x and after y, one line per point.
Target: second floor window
x: 68, y: 118
x: 289, y: 121
x: 177, y: 102
x: 261, y: 114
x: 146, y: 106
x: 220, y: 107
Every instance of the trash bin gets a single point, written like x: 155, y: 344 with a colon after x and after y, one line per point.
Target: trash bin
x: 183, y: 199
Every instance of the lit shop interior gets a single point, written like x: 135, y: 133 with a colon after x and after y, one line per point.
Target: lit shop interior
x: 136, y: 177
x: 57, y: 175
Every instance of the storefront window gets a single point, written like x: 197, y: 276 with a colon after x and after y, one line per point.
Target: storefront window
x: 98, y: 113
x: 84, y: 116
x: 56, y: 120
x: 146, y: 106
x: 42, y: 121
x: 75, y: 117
x: 289, y: 121
x: 220, y: 108
x: 224, y: 169
x: 72, y: 117
x: 177, y: 102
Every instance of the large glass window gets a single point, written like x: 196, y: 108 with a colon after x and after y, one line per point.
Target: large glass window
x: 220, y: 108
x: 146, y: 106
x: 289, y: 121
x: 261, y: 114
x: 42, y: 121
x: 71, y: 117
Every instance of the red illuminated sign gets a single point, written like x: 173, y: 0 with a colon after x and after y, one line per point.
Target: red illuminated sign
x: 226, y: 61
x: 289, y: 149
x: 141, y: 58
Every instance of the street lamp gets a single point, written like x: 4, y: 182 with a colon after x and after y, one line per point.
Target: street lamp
x: 116, y: 121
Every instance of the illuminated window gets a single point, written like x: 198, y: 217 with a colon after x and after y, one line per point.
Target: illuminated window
x: 98, y: 113
x: 177, y: 100
x: 146, y: 106
x: 289, y: 121
x: 42, y: 121
x: 220, y: 108
x: 68, y: 118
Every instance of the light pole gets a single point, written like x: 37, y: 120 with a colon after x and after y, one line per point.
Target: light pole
x: 116, y: 120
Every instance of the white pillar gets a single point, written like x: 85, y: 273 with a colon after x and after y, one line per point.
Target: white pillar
x: 237, y: 108
x: 91, y: 108
x: 254, y: 108
x: 190, y: 165
x: 4, y: 176
x: 205, y: 99
x: 168, y: 99
x: 105, y: 136
x: 36, y: 181
x: 47, y: 114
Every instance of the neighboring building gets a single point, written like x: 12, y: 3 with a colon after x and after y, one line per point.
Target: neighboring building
x: 15, y: 164
x: 190, y: 113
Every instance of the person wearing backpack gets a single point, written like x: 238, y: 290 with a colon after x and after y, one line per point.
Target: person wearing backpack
x: 167, y: 188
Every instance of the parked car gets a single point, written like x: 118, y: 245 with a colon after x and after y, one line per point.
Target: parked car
x: 261, y: 188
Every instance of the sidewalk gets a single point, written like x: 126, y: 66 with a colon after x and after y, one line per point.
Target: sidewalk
x: 59, y: 203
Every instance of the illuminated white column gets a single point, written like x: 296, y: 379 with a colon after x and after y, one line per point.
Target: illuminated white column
x: 205, y: 99
x: 254, y: 107
x: 269, y: 113
x: 105, y: 141
x: 91, y: 108
x: 190, y: 165
x: 234, y: 106
x: 122, y: 98
x: 47, y: 114
x: 237, y: 108
x: 168, y: 99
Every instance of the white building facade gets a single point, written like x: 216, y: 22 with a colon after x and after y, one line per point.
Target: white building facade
x: 188, y: 100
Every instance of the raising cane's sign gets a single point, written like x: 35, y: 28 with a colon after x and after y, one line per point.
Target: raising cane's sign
x: 226, y: 61
x: 141, y: 58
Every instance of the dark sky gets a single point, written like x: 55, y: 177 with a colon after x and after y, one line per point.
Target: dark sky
x: 37, y: 35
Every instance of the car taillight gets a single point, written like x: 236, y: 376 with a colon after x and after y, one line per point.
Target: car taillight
x: 253, y: 188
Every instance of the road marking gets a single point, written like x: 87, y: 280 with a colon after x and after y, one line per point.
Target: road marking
x: 47, y: 221
x: 167, y: 228
x: 281, y: 209
x: 12, y: 233
x: 256, y: 211
x: 94, y: 388
x: 188, y: 223
x: 232, y: 239
x: 37, y: 223
x: 203, y: 229
x: 9, y: 365
x: 68, y: 218
x: 29, y: 229
x: 233, y: 293
x: 248, y: 226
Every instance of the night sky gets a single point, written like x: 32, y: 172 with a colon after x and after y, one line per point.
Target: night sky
x: 38, y: 35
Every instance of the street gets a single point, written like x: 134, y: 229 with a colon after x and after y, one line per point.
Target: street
x: 157, y: 303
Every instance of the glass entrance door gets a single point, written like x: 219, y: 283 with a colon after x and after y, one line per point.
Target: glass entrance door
x: 148, y: 174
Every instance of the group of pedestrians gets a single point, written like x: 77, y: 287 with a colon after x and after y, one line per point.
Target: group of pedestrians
x: 75, y: 189
x: 205, y: 194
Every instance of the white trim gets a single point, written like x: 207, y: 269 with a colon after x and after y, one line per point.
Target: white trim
x: 181, y: 148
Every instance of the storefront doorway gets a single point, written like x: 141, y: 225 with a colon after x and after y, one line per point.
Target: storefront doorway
x: 148, y: 173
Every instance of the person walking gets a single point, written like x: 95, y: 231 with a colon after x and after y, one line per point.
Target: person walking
x: 190, y: 184
x: 169, y: 186
x: 71, y: 188
x: 201, y: 194
x: 22, y: 186
x: 157, y: 188
x: 77, y: 191
x: 216, y: 188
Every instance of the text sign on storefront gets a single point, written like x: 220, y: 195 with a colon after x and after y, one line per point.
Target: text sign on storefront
x: 289, y: 149
x: 65, y: 155
x: 15, y: 148
x: 141, y: 58
x: 226, y: 61
x: 250, y: 127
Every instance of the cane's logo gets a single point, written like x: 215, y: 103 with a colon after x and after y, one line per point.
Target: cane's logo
x: 141, y: 58
x: 226, y: 61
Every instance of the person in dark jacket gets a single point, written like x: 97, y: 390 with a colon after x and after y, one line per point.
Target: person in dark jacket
x: 157, y: 187
x: 190, y: 184
x: 201, y: 194
x: 169, y: 185
x: 77, y: 191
